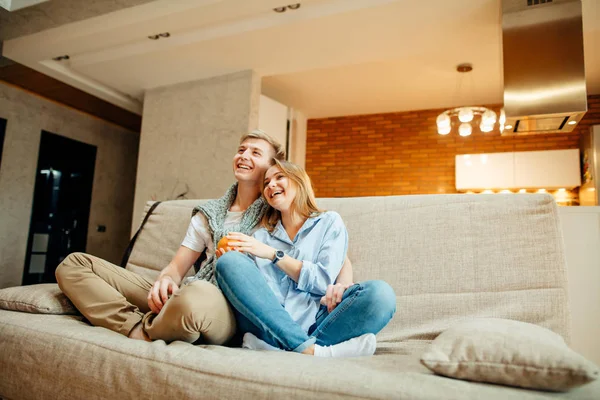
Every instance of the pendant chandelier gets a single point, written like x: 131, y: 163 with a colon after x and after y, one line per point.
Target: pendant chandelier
x: 467, y: 116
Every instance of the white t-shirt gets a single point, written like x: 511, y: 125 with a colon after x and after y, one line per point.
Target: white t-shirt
x: 198, y: 236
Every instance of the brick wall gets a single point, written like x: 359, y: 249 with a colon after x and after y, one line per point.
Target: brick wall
x: 402, y: 153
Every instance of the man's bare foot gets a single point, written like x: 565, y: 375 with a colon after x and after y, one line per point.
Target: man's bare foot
x: 138, y: 333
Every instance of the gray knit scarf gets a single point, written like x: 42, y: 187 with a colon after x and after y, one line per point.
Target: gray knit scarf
x: 216, y: 212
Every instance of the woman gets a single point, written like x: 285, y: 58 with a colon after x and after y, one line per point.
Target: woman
x: 299, y: 252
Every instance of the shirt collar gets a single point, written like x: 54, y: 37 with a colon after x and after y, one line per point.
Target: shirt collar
x: 280, y: 233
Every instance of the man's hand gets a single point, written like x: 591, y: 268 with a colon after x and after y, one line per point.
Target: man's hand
x: 334, y: 295
x: 159, y: 294
x: 223, y: 250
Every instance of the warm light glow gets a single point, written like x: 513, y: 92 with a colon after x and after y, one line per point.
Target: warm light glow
x: 505, y: 191
x: 487, y: 191
x: 523, y: 191
x: 444, y: 130
x: 572, y: 122
x: 562, y: 190
x: 470, y: 192
x: 486, y: 127
x: 541, y: 191
x: 592, y: 189
x: 488, y: 117
x: 443, y: 120
x: 465, y: 115
x: 508, y: 126
x: 502, y: 118
x: 464, y: 129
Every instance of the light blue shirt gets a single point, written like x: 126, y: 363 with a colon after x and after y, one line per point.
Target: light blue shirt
x: 321, y: 245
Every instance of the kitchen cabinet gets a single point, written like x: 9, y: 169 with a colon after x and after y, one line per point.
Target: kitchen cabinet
x: 550, y: 169
x: 484, y: 171
x: 547, y: 169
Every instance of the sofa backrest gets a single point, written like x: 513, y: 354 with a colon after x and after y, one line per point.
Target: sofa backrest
x: 448, y: 257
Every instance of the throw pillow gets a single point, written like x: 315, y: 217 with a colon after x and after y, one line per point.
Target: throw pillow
x: 510, y: 353
x: 45, y: 298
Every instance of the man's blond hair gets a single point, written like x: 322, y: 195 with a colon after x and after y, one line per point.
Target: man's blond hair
x: 258, y: 134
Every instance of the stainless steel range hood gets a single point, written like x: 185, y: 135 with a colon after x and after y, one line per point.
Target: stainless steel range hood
x: 544, y: 74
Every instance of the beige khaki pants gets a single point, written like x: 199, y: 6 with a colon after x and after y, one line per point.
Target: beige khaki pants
x: 117, y: 299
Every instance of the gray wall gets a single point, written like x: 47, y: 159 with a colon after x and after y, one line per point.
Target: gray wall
x: 114, y: 178
x: 190, y: 132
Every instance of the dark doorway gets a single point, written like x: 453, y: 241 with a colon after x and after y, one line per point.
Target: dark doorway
x: 61, y: 205
x: 2, y: 130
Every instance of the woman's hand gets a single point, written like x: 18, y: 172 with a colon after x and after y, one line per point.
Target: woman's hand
x: 334, y: 295
x: 250, y: 245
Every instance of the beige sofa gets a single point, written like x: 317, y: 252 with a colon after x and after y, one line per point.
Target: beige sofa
x: 448, y: 258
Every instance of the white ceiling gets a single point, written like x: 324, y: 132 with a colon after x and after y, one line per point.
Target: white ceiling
x: 329, y: 58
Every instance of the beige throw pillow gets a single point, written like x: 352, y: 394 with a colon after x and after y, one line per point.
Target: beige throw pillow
x: 45, y: 298
x: 509, y: 353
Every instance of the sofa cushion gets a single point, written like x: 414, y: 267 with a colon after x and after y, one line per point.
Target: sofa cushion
x: 510, y: 353
x: 161, y: 236
x: 45, y: 298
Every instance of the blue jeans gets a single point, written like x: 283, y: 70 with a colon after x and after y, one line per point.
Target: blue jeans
x: 366, y: 307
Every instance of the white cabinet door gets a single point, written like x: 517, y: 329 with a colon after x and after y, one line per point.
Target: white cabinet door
x: 484, y: 171
x: 551, y: 169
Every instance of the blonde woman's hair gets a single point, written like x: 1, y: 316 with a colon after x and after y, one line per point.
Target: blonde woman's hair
x: 304, y: 203
x: 258, y: 134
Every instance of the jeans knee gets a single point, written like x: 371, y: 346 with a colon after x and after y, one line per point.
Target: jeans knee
x: 381, y: 297
x: 230, y: 265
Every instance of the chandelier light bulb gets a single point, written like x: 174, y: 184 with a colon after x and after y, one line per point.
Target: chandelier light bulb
x: 486, y: 127
x: 465, y: 114
x: 444, y: 130
x: 488, y: 118
x: 443, y: 120
x: 464, y: 129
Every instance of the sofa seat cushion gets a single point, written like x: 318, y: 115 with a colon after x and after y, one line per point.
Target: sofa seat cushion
x: 42, y: 355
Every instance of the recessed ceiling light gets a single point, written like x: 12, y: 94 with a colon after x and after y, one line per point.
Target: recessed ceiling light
x: 280, y: 9
x: 572, y: 122
x: 508, y: 126
x: 294, y: 6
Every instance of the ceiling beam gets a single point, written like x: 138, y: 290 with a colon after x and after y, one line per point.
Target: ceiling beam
x: 52, y: 89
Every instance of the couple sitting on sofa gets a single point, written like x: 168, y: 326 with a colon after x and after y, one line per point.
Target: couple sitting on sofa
x: 289, y: 255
